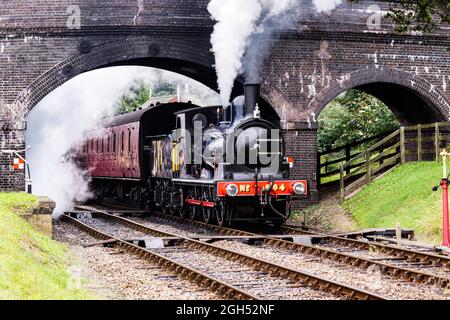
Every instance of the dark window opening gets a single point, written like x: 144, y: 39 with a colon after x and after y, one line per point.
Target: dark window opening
x: 129, y: 141
x: 122, y: 149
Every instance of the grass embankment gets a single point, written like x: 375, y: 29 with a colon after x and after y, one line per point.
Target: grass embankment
x: 32, y: 265
x: 404, y: 197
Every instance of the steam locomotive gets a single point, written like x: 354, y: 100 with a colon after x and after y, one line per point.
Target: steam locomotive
x: 219, y: 164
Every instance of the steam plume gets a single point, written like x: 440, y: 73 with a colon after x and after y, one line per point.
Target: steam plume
x: 245, y: 32
x: 326, y: 5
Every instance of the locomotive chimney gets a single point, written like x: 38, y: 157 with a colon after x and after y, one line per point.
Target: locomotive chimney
x: 251, y: 93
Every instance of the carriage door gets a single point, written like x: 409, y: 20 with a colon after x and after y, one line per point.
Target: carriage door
x: 179, y: 147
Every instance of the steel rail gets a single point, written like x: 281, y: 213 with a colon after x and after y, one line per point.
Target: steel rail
x: 389, y: 269
x: 275, y: 270
x: 407, y: 254
x: 201, y: 279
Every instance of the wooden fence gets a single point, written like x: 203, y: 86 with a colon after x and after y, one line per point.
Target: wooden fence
x: 412, y: 143
x: 330, y: 160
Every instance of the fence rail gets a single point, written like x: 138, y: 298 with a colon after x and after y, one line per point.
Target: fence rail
x: 329, y: 160
x: 411, y: 143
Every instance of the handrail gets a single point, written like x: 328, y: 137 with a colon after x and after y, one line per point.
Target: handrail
x: 355, y: 143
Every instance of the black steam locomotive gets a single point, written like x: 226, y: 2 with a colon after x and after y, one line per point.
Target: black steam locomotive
x: 219, y: 164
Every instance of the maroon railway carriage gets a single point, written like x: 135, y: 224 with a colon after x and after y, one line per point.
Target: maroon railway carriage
x: 147, y: 157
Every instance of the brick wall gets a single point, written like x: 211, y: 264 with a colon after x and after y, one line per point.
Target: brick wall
x: 301, y: 144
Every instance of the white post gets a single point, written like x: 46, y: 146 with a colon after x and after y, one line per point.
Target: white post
x: 444, y: 154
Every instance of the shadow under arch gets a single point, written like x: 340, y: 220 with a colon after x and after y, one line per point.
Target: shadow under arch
x: 411, y: 98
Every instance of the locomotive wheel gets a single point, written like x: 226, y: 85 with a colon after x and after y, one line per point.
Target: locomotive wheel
x: 193, y: 212
x: 180, y: 212
x: 164, y: 208
x: 219, y: 211
x: 207, y: 214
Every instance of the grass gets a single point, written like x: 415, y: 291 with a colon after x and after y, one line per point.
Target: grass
x: 403, y: 197
x: 32, y: 265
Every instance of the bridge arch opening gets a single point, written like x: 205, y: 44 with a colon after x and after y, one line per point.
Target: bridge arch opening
x: 351, y: 117
x: 60, y: 120
x: 411, y: 98
x: 379, y: 107
x: 183, y: 56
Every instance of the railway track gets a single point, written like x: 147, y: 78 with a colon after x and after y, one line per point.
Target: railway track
x: 402, y: 263
x: 217, y: 286
x: 263, y: 279
x: 420, y: 257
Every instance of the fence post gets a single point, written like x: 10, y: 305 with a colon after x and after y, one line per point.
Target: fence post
x: 436, y: 140
x: 402, y: 145
x: 369, y: 170
x: 319, y: 169
x: 419, y: 142
x: 341, y: 182
x: 348, y: 155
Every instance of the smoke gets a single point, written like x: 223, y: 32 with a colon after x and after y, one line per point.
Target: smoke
x: 278, y: 15
x: 63, y: 118
x: 236, y: 21
x: 245, y: 32
x: 326, y: 5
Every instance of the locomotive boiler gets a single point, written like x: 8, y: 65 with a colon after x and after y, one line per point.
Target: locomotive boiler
x: 221, y: 165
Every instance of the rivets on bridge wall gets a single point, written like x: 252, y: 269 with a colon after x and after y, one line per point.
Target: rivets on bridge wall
x: 85, y: 46
x: 67, y: 69
x: 154, y: 49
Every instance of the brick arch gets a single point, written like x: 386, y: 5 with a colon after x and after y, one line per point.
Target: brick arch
x: 412, y: 98
x: 185, y: 57
x: 189, y: 58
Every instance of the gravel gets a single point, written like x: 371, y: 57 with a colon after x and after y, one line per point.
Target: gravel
x: 257, y: 283
x: 370, y: 279
x: 110, y: 274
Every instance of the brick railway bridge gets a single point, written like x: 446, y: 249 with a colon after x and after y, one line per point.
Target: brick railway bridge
x: 45, y: 43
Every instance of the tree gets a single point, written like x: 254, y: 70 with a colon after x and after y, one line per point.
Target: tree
x: 164, y: 88
x: 353, y: 116
x: 420, y: 15
x: 139, y: 93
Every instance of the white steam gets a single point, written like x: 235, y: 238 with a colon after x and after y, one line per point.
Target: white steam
x: 62, y: 119
x: 236, y: 21
x: 245, y: 32
x: 326, y: 5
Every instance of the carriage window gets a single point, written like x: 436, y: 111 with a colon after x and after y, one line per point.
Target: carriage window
x: 114, y: 143
x: 201, y: 119
x: 122, y: 149
x: 96, y: 142
x: 108, y: 144
x: 92, y: 145
x: 129, y: 141
x: 103, y: 145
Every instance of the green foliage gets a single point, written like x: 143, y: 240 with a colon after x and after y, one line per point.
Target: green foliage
x: 139, y: 93
x: 163, y: 88
x: 32, y: 265
x: 402, y: 197
x: 420, y: 15
x: 353, y: 116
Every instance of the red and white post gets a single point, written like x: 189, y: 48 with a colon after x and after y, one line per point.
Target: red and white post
x: 444, y: 185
